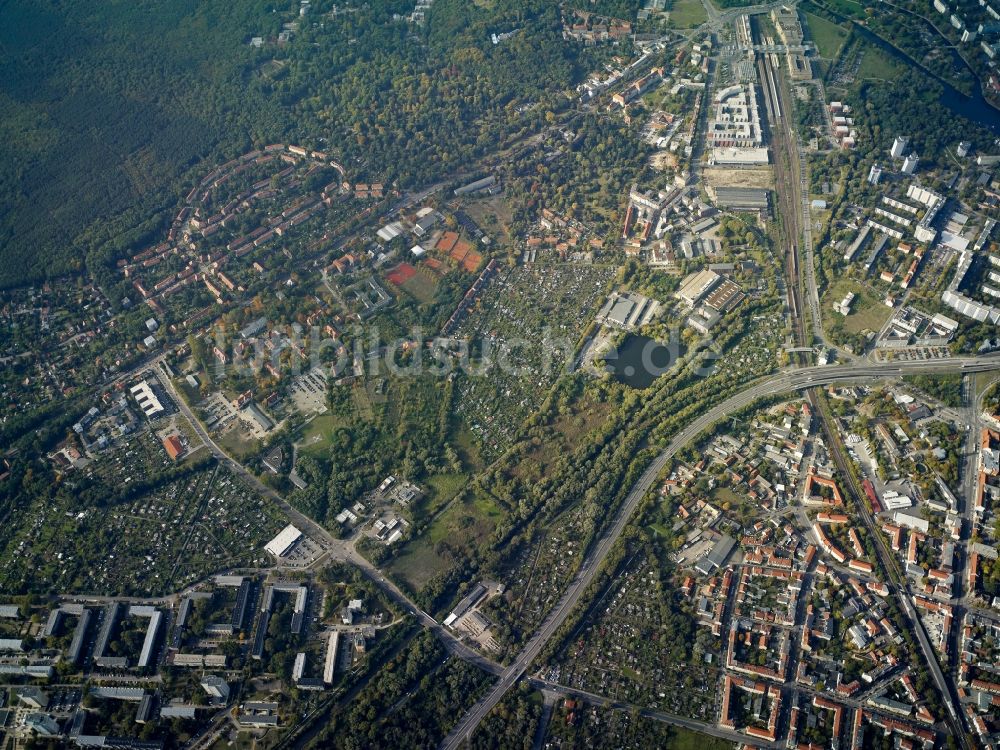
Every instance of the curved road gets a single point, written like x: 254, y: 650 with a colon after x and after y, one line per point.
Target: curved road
x: 340, y: 550
x: 796, y: 380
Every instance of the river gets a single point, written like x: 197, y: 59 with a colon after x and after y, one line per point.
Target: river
x: 974, y: 108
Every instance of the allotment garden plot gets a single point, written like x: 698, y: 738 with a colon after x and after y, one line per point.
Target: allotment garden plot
x: 638, y: 646
x: 170, y: 532
x: 528, y: 307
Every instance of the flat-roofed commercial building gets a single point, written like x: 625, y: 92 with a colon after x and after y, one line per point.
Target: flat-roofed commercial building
x: 747, y: 199
x: 739, y: 157
x: 697, y: 285
x: 143, y: 394
x: 627, y: 311
x: 284, y: 541
x: 725, y: 296
x: 717, y: 556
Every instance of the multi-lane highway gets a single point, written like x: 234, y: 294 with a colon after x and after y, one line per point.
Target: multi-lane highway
x: 786, y: 381
x: 783, y: 382
x: 790, y: 175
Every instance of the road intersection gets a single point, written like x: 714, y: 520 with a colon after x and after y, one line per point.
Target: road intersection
x: 785, y: 382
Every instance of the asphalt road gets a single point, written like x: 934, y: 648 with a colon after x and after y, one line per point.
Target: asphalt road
x: 343, y: 551
x: 667, y: 718
x: 802, y: 379
x: 899, y: 588
x: 335, y: 549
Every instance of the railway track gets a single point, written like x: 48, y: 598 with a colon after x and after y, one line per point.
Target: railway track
x: 789, y: 179
x: 786, y: 174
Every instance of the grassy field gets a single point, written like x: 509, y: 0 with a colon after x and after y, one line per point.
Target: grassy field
x: 874, y: 64
x: 870, y: 316
x: 418, y: 564
x: 362, y: 401
x: 466, y: 521
x: 660, y: 530
x: 564, y: 435
x: 687, y: 14
x: 849, y: 8
x: 465, y: 444
x: 493, y: 215
x: 867, y: 312
x: 443, y: 487
x: 234, y: 443
x: 685, y: 739
x: 723, y: 495
x: 828, y: 36
x: 421, y: 287
x: 464, y: 524
x: 316, y: 434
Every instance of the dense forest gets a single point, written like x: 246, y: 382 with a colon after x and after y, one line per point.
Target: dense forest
x: 887, y: 109
x: 104, y: 107
x: 586, y: 183
x: 111, y: 111
x: 415, y: 698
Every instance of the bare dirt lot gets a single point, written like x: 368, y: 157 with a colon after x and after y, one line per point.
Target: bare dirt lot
x: 761, y: 177
x: 492, y: 214
x: 664, y: 160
